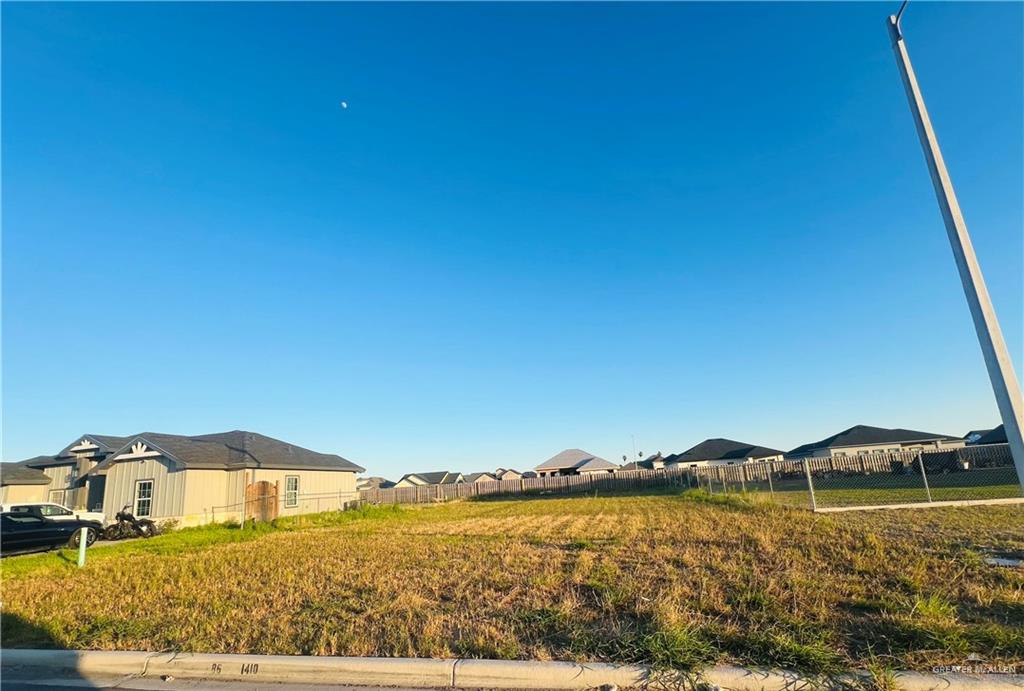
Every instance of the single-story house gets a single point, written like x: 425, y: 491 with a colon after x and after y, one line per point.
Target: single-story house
x: 722, y: 452
x: 20, y: 483
x: 480, y: 477
x: 437, y: 477
x: 974, y: 435
x: 199, y: 479
x: 507, y: 474
x: 653, y: 462
x: 862, y: 440
x: 373, y: 483
x: 574, y: 462
x: 993, y: 436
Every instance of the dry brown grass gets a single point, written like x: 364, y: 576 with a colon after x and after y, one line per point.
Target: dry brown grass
x: 654, y: 578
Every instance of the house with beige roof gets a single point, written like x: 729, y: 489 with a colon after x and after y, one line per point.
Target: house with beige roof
x: 574, y: 462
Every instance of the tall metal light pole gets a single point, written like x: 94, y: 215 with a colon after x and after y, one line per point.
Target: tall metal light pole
x: 993, y: 347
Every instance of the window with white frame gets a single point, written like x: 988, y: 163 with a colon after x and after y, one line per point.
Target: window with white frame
x: 291, y: 491
x: 143, y: 498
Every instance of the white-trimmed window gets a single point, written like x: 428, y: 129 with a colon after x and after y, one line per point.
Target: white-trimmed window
x: 291, y: 491
x: 143, y: 498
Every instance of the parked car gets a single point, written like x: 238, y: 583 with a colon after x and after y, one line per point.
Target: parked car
x: 54, y: 511
x: 29, y: 531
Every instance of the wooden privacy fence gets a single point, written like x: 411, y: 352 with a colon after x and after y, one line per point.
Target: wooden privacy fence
x: 952, y: 460
x: 261, y: 500
x: 565, y: 484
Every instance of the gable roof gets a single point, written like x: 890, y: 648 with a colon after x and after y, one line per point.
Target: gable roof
x: 722, y: 449
x: 436, y: 477
x: 647, y: 463
x: 105, y: 442
x: 473, y: 477
x: 865, y: 435
x: 21, y: 474
x: 374, y: 482
x: 596, y: 464
x: 995, y: 436
x: 232, y: 450
x: 576, y: 459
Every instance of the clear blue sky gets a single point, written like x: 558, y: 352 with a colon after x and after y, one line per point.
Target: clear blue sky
x: 535, y: 227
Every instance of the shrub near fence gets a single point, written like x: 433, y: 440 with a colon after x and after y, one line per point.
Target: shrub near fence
x: 972, y: 473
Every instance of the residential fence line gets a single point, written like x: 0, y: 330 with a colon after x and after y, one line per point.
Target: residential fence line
x: 815, y: 482
x: 940, y: 476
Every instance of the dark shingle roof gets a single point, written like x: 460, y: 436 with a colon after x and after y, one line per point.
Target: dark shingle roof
x: 21, y: 474
x: 236, y: 449
x: 865, y: 435
x: 647, y: 463
x: 436, y: 477
x: 996, y: 436
x: 49, y: 461
x: 106, y: 442
x: 473, y: 477
x: 578, y: 459
x: 721, y: 450
x: 374, y: 482
x: 975, y: 434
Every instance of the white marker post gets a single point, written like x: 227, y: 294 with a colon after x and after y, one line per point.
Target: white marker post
x: 993, y: 347
x: 83, y: 540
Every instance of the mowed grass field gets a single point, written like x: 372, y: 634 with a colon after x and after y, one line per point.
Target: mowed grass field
x: 669, y: 578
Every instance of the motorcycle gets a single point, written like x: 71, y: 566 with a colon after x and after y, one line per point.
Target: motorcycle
x: 126, y: 525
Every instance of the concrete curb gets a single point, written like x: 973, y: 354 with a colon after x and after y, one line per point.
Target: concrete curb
x: 452, y: 674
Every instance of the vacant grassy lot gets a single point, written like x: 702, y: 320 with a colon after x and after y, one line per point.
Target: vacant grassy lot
x: 666, y: 578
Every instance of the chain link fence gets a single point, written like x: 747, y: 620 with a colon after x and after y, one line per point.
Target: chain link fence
x: 970, y: 474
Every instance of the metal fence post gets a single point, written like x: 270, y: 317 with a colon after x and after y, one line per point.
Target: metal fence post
x: 771, y: 489
x: 810, y: 484
x: 743, y: 479
x: 924, y: 476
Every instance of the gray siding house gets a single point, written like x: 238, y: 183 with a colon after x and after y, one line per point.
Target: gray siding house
x: 197, y: 479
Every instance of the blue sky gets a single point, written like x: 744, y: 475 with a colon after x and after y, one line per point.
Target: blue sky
x: 536, y: 226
